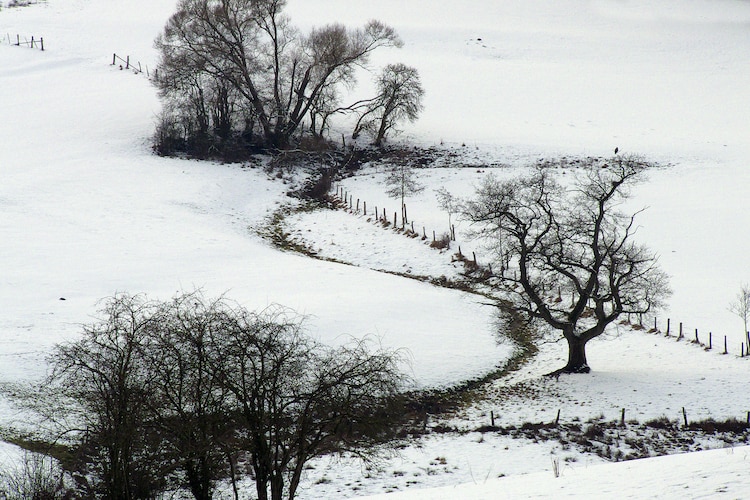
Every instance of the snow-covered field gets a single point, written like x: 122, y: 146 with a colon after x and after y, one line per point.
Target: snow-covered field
x: 86, y: 211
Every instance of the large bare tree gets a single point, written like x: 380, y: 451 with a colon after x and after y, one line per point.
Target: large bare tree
x: 250, y: 45
x: 103, y: 391
x: 297, y: 399
x: 572, y: 258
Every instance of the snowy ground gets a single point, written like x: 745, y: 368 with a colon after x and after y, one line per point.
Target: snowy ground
x: 87, y: 211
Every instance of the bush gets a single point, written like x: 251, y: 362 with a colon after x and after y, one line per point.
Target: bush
x: 442, y: 243
x: 730, y: 425
x: 36, y: 478
x: 661, y: 423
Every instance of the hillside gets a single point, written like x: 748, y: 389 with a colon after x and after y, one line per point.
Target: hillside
x: 86, y: 210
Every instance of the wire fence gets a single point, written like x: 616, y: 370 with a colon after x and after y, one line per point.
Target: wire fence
x: 23, y: 41
x: 709, y: 341
x: 126, y: 63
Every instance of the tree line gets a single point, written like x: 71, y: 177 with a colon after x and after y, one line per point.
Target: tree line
x: 159, y: 396
x: 236, y: 76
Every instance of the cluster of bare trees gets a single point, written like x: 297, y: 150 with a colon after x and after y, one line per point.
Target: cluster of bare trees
x: 238, y: 72
x: 184, y: 393
x: 566, y: 251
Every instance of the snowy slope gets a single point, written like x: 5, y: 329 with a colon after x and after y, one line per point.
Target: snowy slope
x: 707, y: 474
x: 87, y: 211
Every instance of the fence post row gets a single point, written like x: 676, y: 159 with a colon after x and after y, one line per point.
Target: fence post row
x: 136, y: 65
x: 32, y: 44
x: 349, y: 200
x: 744, y: 346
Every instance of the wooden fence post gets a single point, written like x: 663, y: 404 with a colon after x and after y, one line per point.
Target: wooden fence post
x: 696, y: 337
x: 680, y: 335
x: 710, y: 340
x: 669, y: 322
x: 364, y: 207
x: 684, y: 416
x: 405, y: 218
x: 725, y: 345
x: 18, y: 40
x: 622, y: 419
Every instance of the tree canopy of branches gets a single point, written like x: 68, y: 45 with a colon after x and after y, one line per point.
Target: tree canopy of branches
x: 177, y: 393
x: 102, y: 380
x: 399, y: 98
x: 574, y: 262
x: 231, y: 64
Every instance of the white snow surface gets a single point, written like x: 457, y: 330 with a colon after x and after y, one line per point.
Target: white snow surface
x: 86, y: 210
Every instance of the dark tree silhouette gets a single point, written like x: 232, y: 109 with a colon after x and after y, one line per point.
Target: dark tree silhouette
x: 570, y: 241
x: 170, y: 394
x: 399, y: 99
x: 245, y: 61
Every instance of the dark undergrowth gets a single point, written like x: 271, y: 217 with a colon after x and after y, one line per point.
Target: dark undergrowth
x: 617, y: 441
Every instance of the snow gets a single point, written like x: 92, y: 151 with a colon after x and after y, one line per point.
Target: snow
x: 707, y: 474
x: 87, y: 211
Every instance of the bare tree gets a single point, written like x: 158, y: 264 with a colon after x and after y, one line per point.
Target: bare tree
x: 251, y: 46
x: 572, y: 242
x: 450, y: 204
x: 399, y: 99
x: 402, y: 182
x: 102, y: 375
x: 298, y: 400
x: 741, y: 307
x: 186, y: 405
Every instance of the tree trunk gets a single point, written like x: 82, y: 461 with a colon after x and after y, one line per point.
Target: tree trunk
x: 576, y: 355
